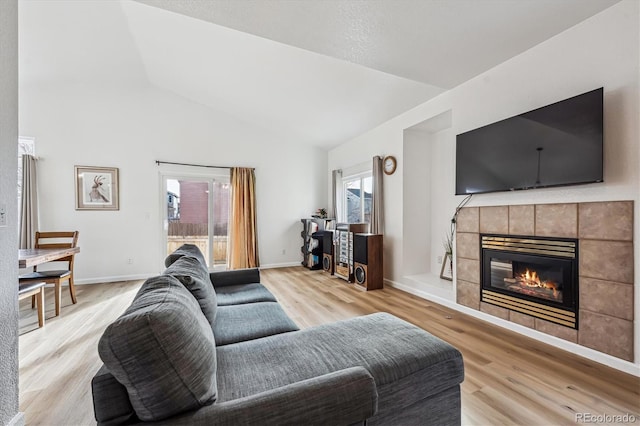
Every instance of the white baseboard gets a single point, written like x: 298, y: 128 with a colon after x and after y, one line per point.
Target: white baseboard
x: 602, y: 358
x: 113, y: 279
x: 134, y: 277
x: 17, y: 420
x: 279, y: 265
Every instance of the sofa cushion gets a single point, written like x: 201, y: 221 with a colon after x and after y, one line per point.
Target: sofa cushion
x: 195, y: 277
x: 407, y: 363
x: 238, y: 323
x: 235, y: 277
x: 243, y: 293
x: 190, y: 250
x: 162, y: 350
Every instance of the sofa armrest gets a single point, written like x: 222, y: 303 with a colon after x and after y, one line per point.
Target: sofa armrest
x: 343, y: 397
x: 235, y: 277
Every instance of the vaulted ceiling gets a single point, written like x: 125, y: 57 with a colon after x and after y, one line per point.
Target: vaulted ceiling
x: 321, y: 72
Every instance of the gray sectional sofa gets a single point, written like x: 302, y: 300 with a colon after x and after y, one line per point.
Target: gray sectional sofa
x: 217, y: 349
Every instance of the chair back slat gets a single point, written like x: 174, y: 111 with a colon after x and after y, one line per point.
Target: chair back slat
x: 73, y: 236
x: 58, y: 234
x: 55, y: 245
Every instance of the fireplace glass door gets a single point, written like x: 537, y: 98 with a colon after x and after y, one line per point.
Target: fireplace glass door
x: 536, y: 276
x: 534, y: 279
x: 543, y: 279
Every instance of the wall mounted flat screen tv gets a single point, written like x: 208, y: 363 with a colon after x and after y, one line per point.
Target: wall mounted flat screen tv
x: 556, y: 145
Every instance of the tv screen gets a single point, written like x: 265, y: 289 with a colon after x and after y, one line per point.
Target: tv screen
x: 559, y: 144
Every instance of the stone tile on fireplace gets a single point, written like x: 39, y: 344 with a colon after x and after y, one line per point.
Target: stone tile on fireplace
x: 468, y: 220
x: 468, y: 270
x: 606, y: 269
x: 468, y: 294
x: 607, y: 297
x: 494, y: 310
x: 522, y: 220
x: 522, y: 319
x: 556, y: 330
x: 613, y: 336
x: 607, y: 260
x: 494, y: 220
x: 468, y: 245
x: 606, y: 220
x: 557, y: 220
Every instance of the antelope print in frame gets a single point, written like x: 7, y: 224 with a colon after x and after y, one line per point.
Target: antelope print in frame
x: 97, y: 188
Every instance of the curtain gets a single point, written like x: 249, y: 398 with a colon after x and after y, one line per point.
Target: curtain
x: 243, y: 245
x: 377, y: 201
x: 29, y: 203
x: 336, y: 176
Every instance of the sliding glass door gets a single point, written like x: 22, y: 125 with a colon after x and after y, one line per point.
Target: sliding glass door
x: 196, y: 211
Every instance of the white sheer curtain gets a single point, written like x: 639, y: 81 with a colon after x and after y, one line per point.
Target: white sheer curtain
x: 377, y: 208
x: 28, y: 202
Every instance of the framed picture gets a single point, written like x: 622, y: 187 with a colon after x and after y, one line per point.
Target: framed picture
x: 446, y: 273
x: 97, y: 188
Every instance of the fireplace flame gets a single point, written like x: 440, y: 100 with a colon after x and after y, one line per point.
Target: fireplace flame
x: 531, y: 279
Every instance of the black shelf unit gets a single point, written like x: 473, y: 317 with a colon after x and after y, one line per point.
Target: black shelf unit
x: 316, y: 253
x: 312, y: 234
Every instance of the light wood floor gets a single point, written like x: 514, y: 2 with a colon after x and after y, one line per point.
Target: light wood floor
x: 509, y: 379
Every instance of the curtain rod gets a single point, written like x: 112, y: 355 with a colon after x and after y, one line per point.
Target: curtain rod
x: 158, y: 162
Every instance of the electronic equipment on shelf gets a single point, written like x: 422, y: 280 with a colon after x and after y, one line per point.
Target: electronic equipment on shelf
x: 344, y: 248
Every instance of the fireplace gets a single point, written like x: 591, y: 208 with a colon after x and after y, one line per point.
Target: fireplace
x: 537, y: 276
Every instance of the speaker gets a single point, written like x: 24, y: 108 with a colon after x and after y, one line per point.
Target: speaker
x: 367, y: 261
x: 327, y: 263
x: 327, y: 242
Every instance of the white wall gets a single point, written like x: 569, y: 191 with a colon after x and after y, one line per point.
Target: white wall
x: 8, y: 198
x: 130, y: 128
x: 441, y: 160
x: 602, y: 51
x: 416, y: 211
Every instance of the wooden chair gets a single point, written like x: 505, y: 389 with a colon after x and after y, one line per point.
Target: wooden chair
x: 57, y: 277
x: 34, y: 289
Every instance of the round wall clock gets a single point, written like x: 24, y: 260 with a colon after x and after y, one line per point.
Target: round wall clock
x: 389, y: 164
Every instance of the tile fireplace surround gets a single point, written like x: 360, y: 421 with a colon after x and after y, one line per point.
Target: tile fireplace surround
x: 605, y: 234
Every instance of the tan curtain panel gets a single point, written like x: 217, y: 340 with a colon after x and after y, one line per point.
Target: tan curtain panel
x: 243, y: 235
x: 377, y: 201
x: 29, y: 203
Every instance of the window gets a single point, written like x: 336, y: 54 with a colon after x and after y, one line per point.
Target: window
x: 196, y: 211
x: 357, y: 191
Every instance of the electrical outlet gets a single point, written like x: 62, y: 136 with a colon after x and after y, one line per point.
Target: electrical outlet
x: 284, y: 251
x: 439, y: 259
x: 129, y: 261
x: 3, y: 215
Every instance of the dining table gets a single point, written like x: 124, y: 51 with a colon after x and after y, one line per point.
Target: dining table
x: 31, y: 257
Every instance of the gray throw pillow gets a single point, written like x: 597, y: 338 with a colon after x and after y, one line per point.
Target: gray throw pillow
x: 195, y: 277
x: 163, y: 351
x: 185, y: 250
